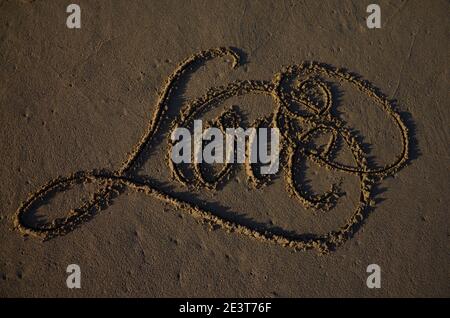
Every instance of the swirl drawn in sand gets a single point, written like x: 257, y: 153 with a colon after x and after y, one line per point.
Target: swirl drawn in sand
x: 297, y: 128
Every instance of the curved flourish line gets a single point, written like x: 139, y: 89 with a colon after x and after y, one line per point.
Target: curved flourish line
x: 318, y: 117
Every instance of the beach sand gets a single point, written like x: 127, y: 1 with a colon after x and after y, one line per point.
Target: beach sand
x: 79, y: 100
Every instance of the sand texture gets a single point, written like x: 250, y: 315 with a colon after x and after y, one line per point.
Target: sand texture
x: 87, y: 176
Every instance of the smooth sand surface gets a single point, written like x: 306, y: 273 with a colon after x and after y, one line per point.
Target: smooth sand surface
x: 95, y: 106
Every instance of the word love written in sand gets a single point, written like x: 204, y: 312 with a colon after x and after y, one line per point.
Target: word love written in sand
x: 303, y: 103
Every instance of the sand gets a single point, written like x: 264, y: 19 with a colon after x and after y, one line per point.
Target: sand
x: 87, y: 177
